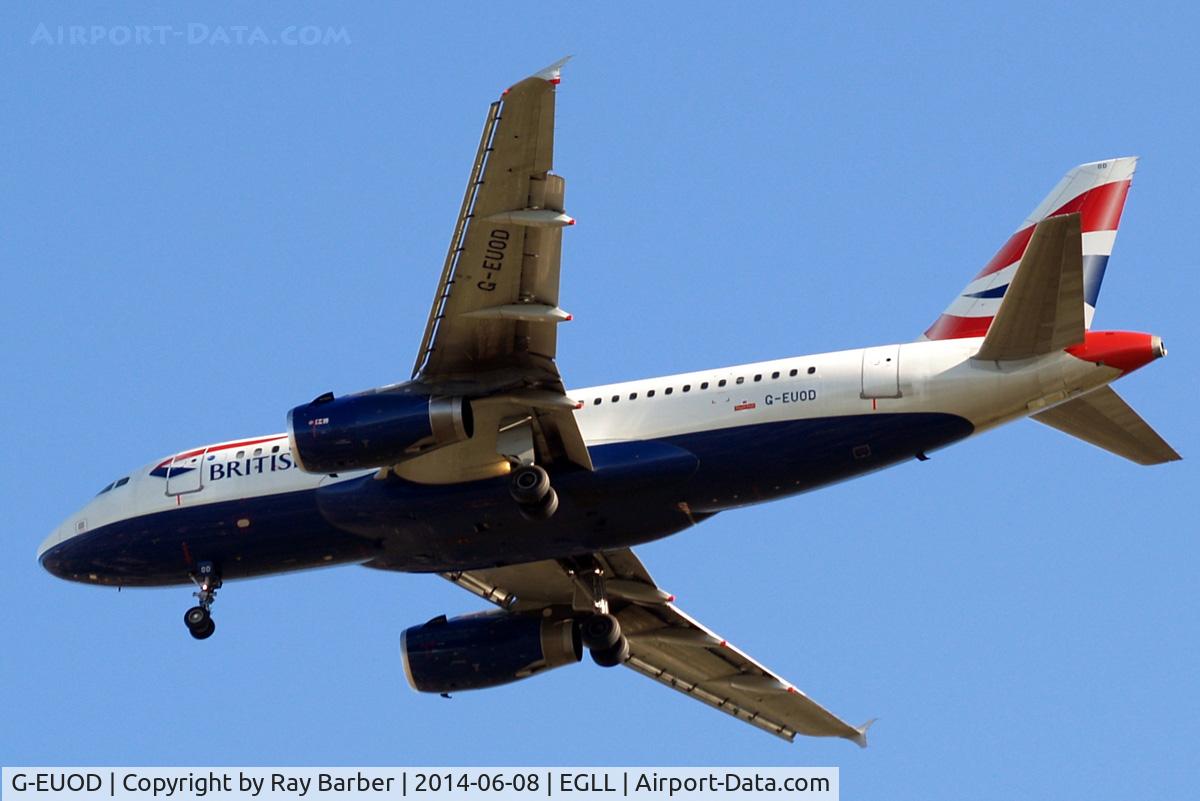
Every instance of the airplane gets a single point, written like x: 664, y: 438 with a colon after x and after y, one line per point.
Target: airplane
x: 483, y: 468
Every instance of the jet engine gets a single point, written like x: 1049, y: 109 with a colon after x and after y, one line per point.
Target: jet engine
x: 374, y: 429
x: 485, y: 650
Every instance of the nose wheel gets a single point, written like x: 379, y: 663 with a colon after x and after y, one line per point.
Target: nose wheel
x: 199, y: 622
x: 198, y: 619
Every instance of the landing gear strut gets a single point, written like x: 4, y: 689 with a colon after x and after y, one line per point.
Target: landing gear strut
x: 198, y: 619
x: 530, y: 488
x: 599, y: 628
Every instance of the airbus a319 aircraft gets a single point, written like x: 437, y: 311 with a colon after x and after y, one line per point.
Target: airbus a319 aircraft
x: 485, y: 470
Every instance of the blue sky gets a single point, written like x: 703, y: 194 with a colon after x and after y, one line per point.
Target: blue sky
x: 198, y: 236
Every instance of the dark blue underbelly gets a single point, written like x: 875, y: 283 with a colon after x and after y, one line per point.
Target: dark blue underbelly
x: 639, y: 491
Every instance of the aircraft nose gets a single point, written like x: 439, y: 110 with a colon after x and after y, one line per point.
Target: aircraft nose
x: 54, y: 538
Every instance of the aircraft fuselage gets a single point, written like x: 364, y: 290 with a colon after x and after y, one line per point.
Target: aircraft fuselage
x: 668, y: 452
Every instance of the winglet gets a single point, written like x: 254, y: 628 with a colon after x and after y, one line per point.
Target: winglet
x: 553, y: 73
x: 861, y: 739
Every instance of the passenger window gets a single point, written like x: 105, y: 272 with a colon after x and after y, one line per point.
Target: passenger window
x: 668, y: 390
x: 650, y: 394
x: 241, y: 454
x: 793, y: 372
x: 775, y: 374
x: 616, y: 398
x: 812, y: 370
x: 633, y: 396
x: 741, y: 379
x: 758, y: 377
x: 704, y: 385
x: 274, y: 449
x: 721, y: 383
x: 596, y: 402
x: 687, y: 387
x: 258, y: 451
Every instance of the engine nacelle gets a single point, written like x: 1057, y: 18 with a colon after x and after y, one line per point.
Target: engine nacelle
x: 374, y: 429
x: 485, y: 650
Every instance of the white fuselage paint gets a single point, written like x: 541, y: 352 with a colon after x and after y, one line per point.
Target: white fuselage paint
x: 933, y: 376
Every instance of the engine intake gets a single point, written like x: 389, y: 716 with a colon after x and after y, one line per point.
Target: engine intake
x: 374, y: 429
x: 485, y: 650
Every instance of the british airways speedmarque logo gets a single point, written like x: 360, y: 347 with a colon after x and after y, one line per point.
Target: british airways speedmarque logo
x: 166, y: 469
x: 220, y: 467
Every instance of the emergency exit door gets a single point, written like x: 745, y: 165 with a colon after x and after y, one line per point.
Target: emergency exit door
x: 881, y: 372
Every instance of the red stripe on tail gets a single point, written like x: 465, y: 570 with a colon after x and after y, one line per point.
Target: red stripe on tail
x: 1099, y: 210
x: 948, y: 326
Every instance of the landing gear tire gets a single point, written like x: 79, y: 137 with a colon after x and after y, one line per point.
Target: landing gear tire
x: 607, y: 645
x: 199, y: 622
x: 205, y: 632
x: 614, y: 655
x: 600, y: 632
x: 196, y: 618
x: 529, y: 485
x: 543, y: 510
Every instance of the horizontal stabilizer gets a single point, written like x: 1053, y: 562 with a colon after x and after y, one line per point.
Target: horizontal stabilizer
x: 1103, y: 419
x: 1042, y: 310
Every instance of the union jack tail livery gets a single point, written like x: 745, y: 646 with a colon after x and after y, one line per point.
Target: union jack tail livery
x: 1097, y: 192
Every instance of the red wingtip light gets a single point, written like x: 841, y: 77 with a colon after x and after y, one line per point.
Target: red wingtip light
x: 572, y: 222
x: 724, y: 644
x: 570, y: 317
x: 556, y: 81
x: 792, y: 690
x: 670, y: 599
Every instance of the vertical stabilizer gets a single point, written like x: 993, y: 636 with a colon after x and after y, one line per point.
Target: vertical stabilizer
x: 1097, y: 192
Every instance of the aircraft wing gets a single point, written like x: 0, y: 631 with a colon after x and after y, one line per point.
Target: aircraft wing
x: 492, y: 329
x: 496, y: 308
x: 665, y: 643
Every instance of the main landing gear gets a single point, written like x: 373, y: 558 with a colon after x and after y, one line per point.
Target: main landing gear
x: 599, y: 627
x: 604, y: 640
x: 530, y: 488
x: 198, y: 619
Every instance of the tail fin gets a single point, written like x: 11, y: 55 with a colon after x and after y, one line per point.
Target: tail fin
x: 1097, y: 191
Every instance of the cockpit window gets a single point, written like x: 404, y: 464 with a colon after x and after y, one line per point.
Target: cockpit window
x: 120, y: 482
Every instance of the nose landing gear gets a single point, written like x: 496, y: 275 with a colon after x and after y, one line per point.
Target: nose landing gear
x: 198, y: 619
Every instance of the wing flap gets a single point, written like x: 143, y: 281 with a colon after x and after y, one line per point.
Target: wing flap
x: 1102, y: 418
x: 1042, y: 309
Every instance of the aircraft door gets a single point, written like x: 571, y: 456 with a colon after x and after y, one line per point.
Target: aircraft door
x: 186, y: 473
x: 881, y: 372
